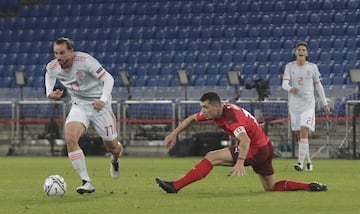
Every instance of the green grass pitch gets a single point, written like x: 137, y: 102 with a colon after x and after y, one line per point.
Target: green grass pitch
x: 136, y: 192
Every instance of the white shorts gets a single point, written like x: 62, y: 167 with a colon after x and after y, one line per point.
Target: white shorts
x: 306, y: 119
x: 104, y: 121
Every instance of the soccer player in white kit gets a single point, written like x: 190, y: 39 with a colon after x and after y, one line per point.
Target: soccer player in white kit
x: 90, y: 87
x: 299, y: 79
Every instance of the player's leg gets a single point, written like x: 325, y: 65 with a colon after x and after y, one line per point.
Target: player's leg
x: 307, y: 125
x: 115, y: 148
x: 105, y: 126
x: 199, y: 171
x: 75, y: 126
x: 295, y: 126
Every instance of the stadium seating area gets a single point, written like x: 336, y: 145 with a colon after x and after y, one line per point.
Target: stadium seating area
x: 154, y: 39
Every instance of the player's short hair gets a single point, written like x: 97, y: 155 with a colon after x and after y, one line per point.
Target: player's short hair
x: 212, y: 97
x: 69, y: 43
x: 302, y: 44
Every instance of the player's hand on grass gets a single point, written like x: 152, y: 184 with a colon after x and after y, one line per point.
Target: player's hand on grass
x: 238, y: 170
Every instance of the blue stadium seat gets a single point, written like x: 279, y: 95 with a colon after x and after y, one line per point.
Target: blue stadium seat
x: 251, y: 57
x: 226, y: 57
x: 204, y: 45
x: 279, y: 6
x: 254, y: 32
x: 264, y: 44
x: 288, y: 56
x: 290, y: 30
x: 351, y: 56
x: 265, y: 31
x: 290, y: 19
x: 263, y: 56
x: 275, y: 56
x: 338, y: 80
x: 239, y: 56
x: 225, y: 67
x: 352, y: 30
x: 326, y: 43
x: 152, y: 81
x: 326, y: 80
x: 339, y: 43
x: 278, y: 18
x: 251, y: 44
x: 205, y: 33
x: 190, y: 57
x: 352, y: 5
x: 179, y: 45
x: 266, y: 19
x: 200, y: 81
x: 338, y: 68
x: 240, y: 44
x: 338, y: 56
x: 212, y: 80
x: 165, y: 70
x: 202, y: 57
x: 179, y: 57
x: 276, y: 44
x: 326, y: 30
x: 326, y: 17
x: 223, y: 81
x: 227, y: 44
x: 175, y: 82
x: 339, y: 18
x: 213, y: 69
x: 249, y: 69
x: 192, y: 45
x: 288, y: 44
x: 215, y: 45
x: 200, y: 69
x: 262, y: 70
x: 327, y: 5
x: 325, y: 68
x: 314, y: 18
x: 325, y: 57
x: 164, y: 81
x: 142, y: 70
x: 314, y: 55
x: 351, y: 43
x: 229, y: 32
x: 302, y: 31
x: 207, y: 20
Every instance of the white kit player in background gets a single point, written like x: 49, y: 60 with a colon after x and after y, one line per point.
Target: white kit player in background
x: 299, y: 79
x: 90, y: 87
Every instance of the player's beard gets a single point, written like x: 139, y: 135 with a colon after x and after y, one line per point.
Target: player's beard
x: 64, y: 63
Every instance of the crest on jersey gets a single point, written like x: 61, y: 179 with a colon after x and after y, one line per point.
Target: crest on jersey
x: 80, y: 74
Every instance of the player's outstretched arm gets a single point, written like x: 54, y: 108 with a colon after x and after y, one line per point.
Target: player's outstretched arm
x: 170, y: 140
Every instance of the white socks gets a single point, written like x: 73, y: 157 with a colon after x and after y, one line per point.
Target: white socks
x: 77, y: 159
x: 304, y: 151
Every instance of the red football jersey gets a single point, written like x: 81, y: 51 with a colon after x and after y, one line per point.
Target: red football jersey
x: 235, y: 118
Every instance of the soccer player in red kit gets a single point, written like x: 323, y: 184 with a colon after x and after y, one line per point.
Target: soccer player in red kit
x: 253, y: 148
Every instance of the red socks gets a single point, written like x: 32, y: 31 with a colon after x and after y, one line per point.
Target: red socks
x: 198, y: 172
x: 287, y: 185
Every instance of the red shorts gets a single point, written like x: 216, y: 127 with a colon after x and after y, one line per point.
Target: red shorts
x: 261, y: 162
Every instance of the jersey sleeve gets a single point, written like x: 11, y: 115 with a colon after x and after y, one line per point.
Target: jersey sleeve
x: 317, y: 75
x: 95, y: 67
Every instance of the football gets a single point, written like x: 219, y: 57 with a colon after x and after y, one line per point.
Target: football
x: 55, y: 185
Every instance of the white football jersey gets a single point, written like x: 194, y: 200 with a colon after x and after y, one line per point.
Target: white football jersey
x: 302, y: 77
x: 82, y: 81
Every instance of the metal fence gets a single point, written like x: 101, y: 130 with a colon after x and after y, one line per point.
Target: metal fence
x: 145, y: 123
